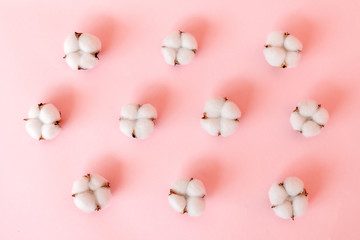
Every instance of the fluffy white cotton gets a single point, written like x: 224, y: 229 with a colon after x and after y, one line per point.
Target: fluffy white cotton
x: 282, y: 50
x: 81, y: 51
x: 288, y: 199
x: 293, y: 186
x: 187, y: 195
x: 43, y: 121
x: 137, y: 121
x: 277, y: 194
x: 179, y: 48
x: 91, y: 193
x: 221, y: 117
x: 308, y: 118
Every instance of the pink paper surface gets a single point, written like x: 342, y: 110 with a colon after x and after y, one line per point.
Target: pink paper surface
x: 36, y: 177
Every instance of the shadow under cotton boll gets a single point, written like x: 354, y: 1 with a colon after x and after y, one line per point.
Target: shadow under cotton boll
x: 64, y: 98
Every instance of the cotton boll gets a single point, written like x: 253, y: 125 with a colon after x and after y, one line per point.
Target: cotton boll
x: 276, y: 39
x: 169, y: 55
x: 179, y: 48
x: 43, y: 121
x: 33, y: 127
x: 310, y: 129
x: 49, y: 131
x: 293, y: 186
x: 213, y: 107
x: 102, y: 196
x: 228, y: 126
x: 296, y: 121
x: 137, y: 121
x: 230, y: 110
x: 88, y: 61
x: 180, y: 186
x: 211, y: 126
x: 307, y: 107
x: 275, y: 56
x: 173, y: 40
x: 178, y: 203
x: 291, y: 43
x: 130, y: 111
x: 292, y: 59
x: 300, y: 204
x: 184, y: 56
x: 188, y: 41
x: 277, y: 194
x: 143, y: 128
x: 147, y: 111
x: 71, y: 44
x: 89, y: 43
x: 284, y: 210
x: 85, y: 201
x: 195, y: 188
x: 321, y: 116
x: 195, y: 206
x: 73, y: 60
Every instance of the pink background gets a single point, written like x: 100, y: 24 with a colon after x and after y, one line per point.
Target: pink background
x: 36, y: 177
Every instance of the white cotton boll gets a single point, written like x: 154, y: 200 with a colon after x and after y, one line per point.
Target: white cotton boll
x: 292, y: 59
x: 85, y: 201
x: 211, y: 125
x: 188, y: 41
x: 179, y: 48
x: 293, y: 186
x: 213, y: 107
x: 321, y: 116
x: 81, y: 185
x: 310, y: 129
x: 147, y: 111
x: 88, y: 61
x: 169, y: 55
x: 130, y: 111
x: 195, y: 206
x: 102, y: 196
x: 195, y: 188
x: 230, y: 110
x: 277, y: 194
x: 173, y: 40
x: 96, y: 181
x: 33, y: 127
x: 276, y: 39
x: 137, y: 121
x: 71, y: 44
x: 284, y: 210
x: 275, y: 56
x: 307, y: 107
x: 73, y: 60
x: 180, y: 186
x: 34, y: 111
x: 291, y: 43
x: 49, y: 131
x: 297, y: 121
x: 300, y: 204
x: 89, y: 43
x: 178, y: 203
x: 184, y: 56
x: 228, y: 126
x: 127, y: 127
x: 49, y: 113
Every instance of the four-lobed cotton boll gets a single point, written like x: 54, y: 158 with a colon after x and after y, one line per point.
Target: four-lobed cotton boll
x: 309, y: 118
x: 179, y: 48
x: 289, y: 198
x: 282, y: 50
x: 91, y: 193
x: 43, y: 121
x: 81, y: 50
x: 220, y: 117
x: 137, y: 121
x: 187, y: 196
